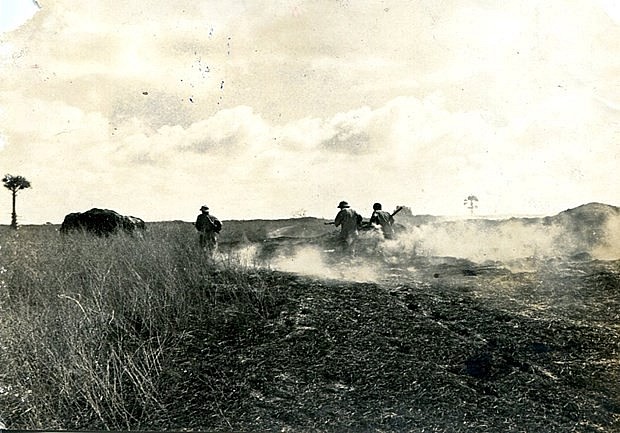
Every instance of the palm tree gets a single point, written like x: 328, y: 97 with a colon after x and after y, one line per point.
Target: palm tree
x: 15, y: 183
x: 469, y: 202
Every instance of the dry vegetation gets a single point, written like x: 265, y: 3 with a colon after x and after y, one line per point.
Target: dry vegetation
x: 148, y: 333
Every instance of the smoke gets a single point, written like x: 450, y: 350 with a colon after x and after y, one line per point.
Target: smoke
x: 516, y: 244
x: 246, y: 256
x: 313, y: 261
x: 479, y: 241
x: 610, y: 247
x: 509, y: 240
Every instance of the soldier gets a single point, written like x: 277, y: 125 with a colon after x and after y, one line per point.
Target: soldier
x: 349, y: 221
x: 208, y: 226
x: 384, y: 220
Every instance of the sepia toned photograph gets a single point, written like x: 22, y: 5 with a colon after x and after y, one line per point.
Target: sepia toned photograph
x: 310, y: 216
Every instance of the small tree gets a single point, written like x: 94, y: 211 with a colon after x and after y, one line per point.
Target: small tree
x: 469, y: 203
x: 14, y: 184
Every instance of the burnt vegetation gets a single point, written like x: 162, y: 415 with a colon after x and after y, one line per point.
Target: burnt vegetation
x: 148, y: 333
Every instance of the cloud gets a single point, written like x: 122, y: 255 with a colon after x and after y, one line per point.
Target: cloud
x: 410, y: 150
x: 264, y: 108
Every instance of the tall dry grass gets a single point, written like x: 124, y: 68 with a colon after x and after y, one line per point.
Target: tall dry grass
x: 87, y: 325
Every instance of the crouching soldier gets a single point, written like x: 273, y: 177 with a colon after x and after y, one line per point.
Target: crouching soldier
x: 384, y: 220
x: 208, y: 227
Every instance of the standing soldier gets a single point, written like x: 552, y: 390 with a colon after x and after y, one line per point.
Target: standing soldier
x: 208, y: 226
x: 384, y: 220
x: 349, y: 221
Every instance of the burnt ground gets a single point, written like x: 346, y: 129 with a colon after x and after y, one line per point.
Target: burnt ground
x: 435, y: 344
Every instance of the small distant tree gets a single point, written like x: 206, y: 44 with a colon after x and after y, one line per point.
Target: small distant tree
x: 471, y: 203
x: 15, y: 184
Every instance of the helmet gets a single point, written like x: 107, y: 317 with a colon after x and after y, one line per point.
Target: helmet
x: 376, y: 206
x: 343, y: 204
x: 204, y: 207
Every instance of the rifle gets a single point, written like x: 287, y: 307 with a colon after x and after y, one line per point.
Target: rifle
x: 398, y: 209
x: 368, y: 224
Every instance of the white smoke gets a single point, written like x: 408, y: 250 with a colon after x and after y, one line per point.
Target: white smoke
x: 508, y: 240
x: 475, y: 242
x: 519, y: 245
x: 610, y: 248
x: 312, y: 261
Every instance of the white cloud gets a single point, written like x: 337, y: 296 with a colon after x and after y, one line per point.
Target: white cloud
x: 410, y: 151
x: 262, y: 109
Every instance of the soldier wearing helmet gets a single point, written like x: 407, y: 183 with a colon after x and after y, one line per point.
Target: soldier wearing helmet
x: 384, y: 220
x: 209, y: 227
x: 349, y: 221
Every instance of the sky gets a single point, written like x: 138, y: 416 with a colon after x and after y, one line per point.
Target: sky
x: 264, y: 109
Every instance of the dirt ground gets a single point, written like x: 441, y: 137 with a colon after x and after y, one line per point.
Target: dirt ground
x: 424, y: 344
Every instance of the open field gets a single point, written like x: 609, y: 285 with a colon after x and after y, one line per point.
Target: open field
x: 490, y: 327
